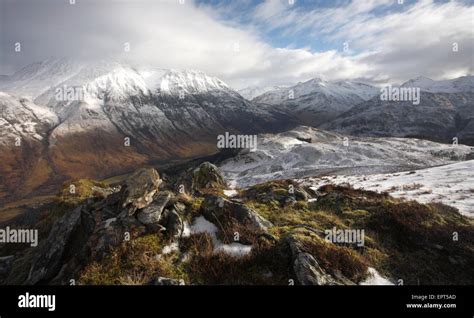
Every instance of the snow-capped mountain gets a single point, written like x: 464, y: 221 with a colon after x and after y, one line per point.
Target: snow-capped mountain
x: 438, y: 117
x: 106, y: 117
x: 35, y: 78
x: 305, y: 151
x: 21, y: 118
x: 250, y: 93
x: 464, y: 84
x: 316, y: 101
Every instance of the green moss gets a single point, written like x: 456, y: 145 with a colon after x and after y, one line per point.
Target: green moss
x: 77, y: 191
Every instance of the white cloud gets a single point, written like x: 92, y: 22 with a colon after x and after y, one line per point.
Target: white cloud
x: 397, y: 46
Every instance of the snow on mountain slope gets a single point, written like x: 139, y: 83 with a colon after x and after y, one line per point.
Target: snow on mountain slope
x: 305, y: 152
x: 317, y: 101
x: 457, y: 85
x: 438, y: 117
x: 337, y: 89
x: 190, y: 82
x: 36, y: 78
x: 451, y: 184
x: 118, y: 97
x: 20, y: 117
x: 250, y: 93
x: 95, y: 119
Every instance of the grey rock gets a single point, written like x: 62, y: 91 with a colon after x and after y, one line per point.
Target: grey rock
x: 218, y: 207
x: 207, y: 176
x: 173, y: 223
x: 152, y: 213
x: 49, y: 259
x: 139, y: 189
x: 308, y: 271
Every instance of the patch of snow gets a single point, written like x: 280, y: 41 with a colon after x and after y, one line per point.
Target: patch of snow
x: 230, y: 193
x: 235, y: 249
x: 172, y: 247
x: 375, y: 278
x: 201, y: 225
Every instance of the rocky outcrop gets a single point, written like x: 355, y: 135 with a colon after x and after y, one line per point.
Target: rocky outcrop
x: 207, y: 176
x: 49, y: 260
x: 208, y: 238
x: 282, y: 192
x: 172, y: 222
x: 216, y: 207
x: 306, y: 268
x: 152, y: 213
x: 139, y: 189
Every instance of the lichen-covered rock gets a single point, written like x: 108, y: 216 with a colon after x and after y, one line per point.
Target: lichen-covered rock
x: 207, y: 176
x: 139, y: 189
x: 218, y: 207
x: 284, y: 192
x: 152, y: 213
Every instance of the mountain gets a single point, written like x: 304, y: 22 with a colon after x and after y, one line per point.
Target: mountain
x: 24, y: 127
x: 438, y: 117
x: 250, y: 93
x: 306, y: 151
x: 112, y: 116
x: 317, y: 101
x: 464, y: 84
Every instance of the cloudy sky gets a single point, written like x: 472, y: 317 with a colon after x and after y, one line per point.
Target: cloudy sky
x: 250, y: 42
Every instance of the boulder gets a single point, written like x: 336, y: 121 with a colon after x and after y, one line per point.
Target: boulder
x: 152, y: 213
x: 218, y: 207
x: 207, y: 176
x: 139, y: 189
x: 173, y: 223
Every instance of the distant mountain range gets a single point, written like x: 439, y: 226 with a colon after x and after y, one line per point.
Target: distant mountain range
x: 317, y: 101
x: 445, y: 111
x: 64, y: 119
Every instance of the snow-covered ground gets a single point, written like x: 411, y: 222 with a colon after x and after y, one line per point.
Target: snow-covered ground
x: 451, y: 184
x: 287, y: 156
x: 375, y: 278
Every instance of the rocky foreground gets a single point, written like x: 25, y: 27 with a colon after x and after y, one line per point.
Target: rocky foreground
x: 190, y: 229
